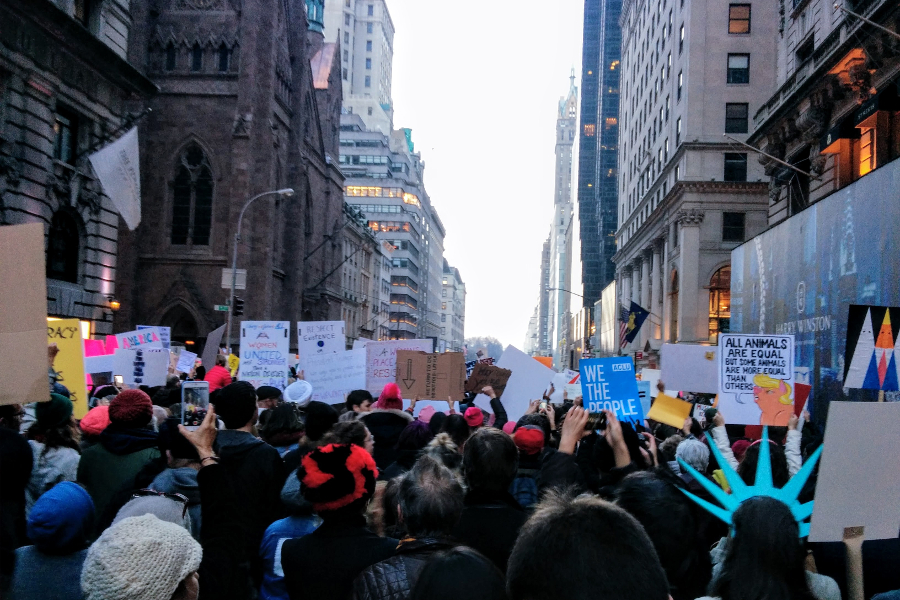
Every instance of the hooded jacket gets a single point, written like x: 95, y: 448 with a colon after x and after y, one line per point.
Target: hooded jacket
x: 386, y: 426
x: 182, y: 480
x: 51, y: 465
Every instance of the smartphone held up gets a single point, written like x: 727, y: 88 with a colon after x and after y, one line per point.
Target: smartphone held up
x: 194, y: 403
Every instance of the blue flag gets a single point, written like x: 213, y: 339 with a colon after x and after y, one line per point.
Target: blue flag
x: 636, y: 318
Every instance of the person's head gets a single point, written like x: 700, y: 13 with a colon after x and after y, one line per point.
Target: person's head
x: 390, y: 509
x: 179, y: 452
x: 667, y: 448
x: 390, y: 398
x: 459, y: 573
x: 351, y: 432
x: 456, y: 426
x: 529, y: 440
x: 142, y: 558
x: 283, y: 419
x: 221, y: 360
x: 765, y: 558
x: 583, y: 549
x: 667, y: 517
x: 267, y: 396
x: 431, y: 500
x: 359, y: 401
x: 436, y: 422
x: 443, y: 449
x: 747, y: 468
x: 55, y: 426
x: 131, y: 409
x: 536, y: 419
x: 474, y: 418
x: 338, y: 479
x: 694, y: 453
x: 414, y: 436
x: 490, y: 461
x: 320, y: 417
x: 61, y: 520
x: 95, y: 421
x: 739, y: 448
x: 11, y: 416
x: 236, y: 404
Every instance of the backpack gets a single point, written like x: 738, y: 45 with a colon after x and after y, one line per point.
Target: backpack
x: 524, y: 488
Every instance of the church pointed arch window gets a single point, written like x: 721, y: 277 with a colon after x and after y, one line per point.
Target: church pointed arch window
x: 192, y: 196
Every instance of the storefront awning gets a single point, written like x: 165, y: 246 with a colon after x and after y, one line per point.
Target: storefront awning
x: 843, y: 130
x: 886, y: 99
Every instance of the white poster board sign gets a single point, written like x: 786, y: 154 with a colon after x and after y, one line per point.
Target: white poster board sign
x: 381, y: 361
x: 142, y: 366
x: 756, y: 375
x: 335, y: 375
x: 652, y: 376
x: 186, y: 362
x: 265, y: 348
x: 320, y: 337
x: 165, y: 334
x: 528, y: 381
x: 690, y: 368
x: 149, y: 337
x: 859, y: 474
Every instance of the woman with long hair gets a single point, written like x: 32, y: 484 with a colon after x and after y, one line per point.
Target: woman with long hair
x: 56, y: 445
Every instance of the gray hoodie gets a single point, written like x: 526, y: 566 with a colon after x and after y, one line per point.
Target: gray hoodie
x: 182, y: 481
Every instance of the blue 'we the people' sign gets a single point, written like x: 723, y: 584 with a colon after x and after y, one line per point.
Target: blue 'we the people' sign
x: 609, y: 383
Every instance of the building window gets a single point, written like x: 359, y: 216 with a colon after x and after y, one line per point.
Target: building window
x: 346, y: 37
x: 719, y: 303
x: 369, y: 63
x: 346, y: 55
x: 368, y: 28
x: 738, y: 68
x: 344, y: 73
x: 805, y: 50
x: 866, y: 151
x: 65, y: 128
x: 680, y: 85
x: 443, y: 318
x: 347, y: 19
x: 371, y: 9
x: 443, y: 331
x: 369, y: 110
x: 63, y: 248
x: 171, y: 55
x: 82, y: 12
x: 589, y: 129
x: 678, y: 131
x: 681, y: 39
x: 368, y: 45
x: 368, y: 81
x: 735, y: 166
x: 443, y: 293
x: 197, y: 58
x: 224, y: 58
x: 733, y: 227
x: 736, y: 117
x: 192, y: 195
x: 738, y: 18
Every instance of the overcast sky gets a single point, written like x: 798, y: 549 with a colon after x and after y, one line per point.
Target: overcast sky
x: 479, y: 84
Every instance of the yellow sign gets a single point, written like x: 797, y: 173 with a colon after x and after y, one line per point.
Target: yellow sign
x: 233, y: 362
x: 69, y: 361
x: 669, y: 410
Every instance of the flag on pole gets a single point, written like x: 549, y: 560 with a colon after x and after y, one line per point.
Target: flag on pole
x: 623, y: 326
x: 630, y: 323
x: 117, y: 167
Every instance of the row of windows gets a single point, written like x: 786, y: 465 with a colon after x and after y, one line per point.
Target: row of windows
x: 392, y: 226
x: 198, y: 57
x: 403, y: 281
x: 405, y: 263
x: 363, y: 159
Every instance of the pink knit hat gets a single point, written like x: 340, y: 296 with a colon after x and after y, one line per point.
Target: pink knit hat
x: 426, y: 413
x: 509, y: 428
x: 390, y: 398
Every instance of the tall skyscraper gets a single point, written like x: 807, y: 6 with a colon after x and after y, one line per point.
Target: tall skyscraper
x: 598, y: 142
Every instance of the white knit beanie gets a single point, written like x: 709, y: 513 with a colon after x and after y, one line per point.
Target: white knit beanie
x: 139, y: 558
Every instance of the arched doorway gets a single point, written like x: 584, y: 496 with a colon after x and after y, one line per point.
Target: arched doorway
x: 184, y: 328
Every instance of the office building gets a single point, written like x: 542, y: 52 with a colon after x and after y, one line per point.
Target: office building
x: 453, y: 311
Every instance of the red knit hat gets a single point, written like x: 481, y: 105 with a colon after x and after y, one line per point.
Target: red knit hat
x: 131, y: 408
x: 337, y: 476
x: 96, y: 420
x: 739, y: 448
x: 474, y: 417
x: 529, y: 439
x: 390, y: 397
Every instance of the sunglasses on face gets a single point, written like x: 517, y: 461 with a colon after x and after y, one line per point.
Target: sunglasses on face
x: 176, y: 497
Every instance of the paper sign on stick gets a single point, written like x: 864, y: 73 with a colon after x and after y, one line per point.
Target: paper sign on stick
x: 381, y: 361
x: 652, y: 376
x: 756, y: 374
x: 320, y: 337
x: 854, y: 460
x: 609, y: 384
x: 150, y: 337
x: 484, y: 375
x: 689, y: 368
x: 99, y: 364
x: 211, y: 349
x: 186, y: 362
x: 23, y: 318
x: 669, y: 410
x: 264, y: 353
x: 69, y: 362
x: 528, y: 381
x: 142, y: 366
x: 335, y: 375
x: 431, y: 376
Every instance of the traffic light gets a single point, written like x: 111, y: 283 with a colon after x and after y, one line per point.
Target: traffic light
x: 238, y: 306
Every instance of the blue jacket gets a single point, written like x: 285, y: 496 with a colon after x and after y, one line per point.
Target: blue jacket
x: 273, y: 587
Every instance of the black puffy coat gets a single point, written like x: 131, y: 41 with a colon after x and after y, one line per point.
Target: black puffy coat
x: 392, y: 579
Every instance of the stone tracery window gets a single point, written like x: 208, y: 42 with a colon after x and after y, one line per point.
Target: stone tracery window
x: 192, y: 198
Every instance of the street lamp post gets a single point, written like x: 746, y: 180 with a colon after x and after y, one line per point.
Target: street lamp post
x: 286, y: 192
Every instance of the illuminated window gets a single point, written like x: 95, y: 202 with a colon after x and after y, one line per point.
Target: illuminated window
x: 613, y: 65
x: 589, y: 129
x: 866, y: 151
x: 411, y: 199
x: 719, y: 303
x: 611, y: 122
x: 739, y: 18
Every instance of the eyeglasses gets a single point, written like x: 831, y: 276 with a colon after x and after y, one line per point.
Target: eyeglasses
x: 176, y: 497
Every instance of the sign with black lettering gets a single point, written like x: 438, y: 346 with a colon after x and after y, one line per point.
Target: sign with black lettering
x: 756, y: 378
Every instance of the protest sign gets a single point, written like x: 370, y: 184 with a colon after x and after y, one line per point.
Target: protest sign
x: 69, y: 361
x: 854, y: 460
x: 381, y: 361
x: 23, y: 320
x: 669, y: 410
x: 573, y: 384
x: 873, y: 342
x: 547, y: 361
x: 165, y: 334
x: 264, y: 353
x: 186, y: 361
x: 484, y: 375
x: 652, y: 376
x: 756, y: 374
x: 142, y: 366
x: 609, y: 384
x: 320, y: 337
x: 233, y: 363
x: 149, y: 337
x: 644, y: 394
x: 689, y: 368
x: 99, y: 364
x: 335, y: 375
x: 211, y: 349
x: 360, y: 343
x: 528, y: 381
x: 431, y: 376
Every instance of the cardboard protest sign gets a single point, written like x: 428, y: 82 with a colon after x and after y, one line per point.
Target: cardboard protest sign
x: 335, y: 375
x: 644, y: 395
x: 142, y: 366
x: 381, y: 361
x: 873, y: 342
x: 528, y: 381
x: 484, y: 375
x: 149, y: 337
x: 609, y: 384
x: 669, y: 410
x: 689, y: 368
x: 23, y: 319
x: 211, y: 349
x: 165, y: 334
x: 265, y: 348
x: 69, y: 361
x: 431, y: 376
x: 320, y: 337
x: 855, y: 460
x: 756, y: 378
x: 186, y: 361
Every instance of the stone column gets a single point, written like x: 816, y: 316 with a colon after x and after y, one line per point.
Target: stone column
x: 645, y: 297
x: 656, y: 277
x: 689, y: 322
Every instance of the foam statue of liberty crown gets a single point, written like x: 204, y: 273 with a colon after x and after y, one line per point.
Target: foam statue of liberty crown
x: 762, y: 485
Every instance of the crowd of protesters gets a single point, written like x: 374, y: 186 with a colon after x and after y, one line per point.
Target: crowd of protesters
x: 374, y: 500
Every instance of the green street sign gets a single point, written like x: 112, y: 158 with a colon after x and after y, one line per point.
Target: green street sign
x: 221, y: 307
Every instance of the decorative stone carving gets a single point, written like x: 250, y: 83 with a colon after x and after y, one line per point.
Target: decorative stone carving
x: 242, y: 123
x: 691, y: 217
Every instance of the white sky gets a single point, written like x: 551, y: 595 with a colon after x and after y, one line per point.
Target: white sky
x: 479, y: 84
